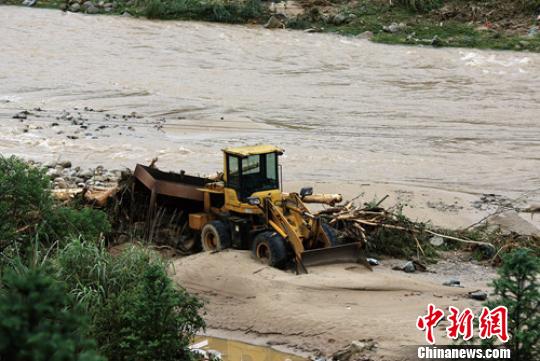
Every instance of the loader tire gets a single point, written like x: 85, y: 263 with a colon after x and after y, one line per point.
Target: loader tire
x: 330, y: 233
x: 269, y: 247
x: 215, y: 236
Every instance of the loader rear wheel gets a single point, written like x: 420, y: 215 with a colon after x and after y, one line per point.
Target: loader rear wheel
x: 269, y: 248
x: 215, y: 236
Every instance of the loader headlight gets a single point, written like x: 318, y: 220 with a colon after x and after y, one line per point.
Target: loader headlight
x: 254, y: 201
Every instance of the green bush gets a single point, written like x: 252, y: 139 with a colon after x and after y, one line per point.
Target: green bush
x: 29, y: 212
x: 518, y: 288
x: 137, y: 312
x: 213, y: 10
x: 38, y: 322
x: 154, y: 321
x: 25, y: 199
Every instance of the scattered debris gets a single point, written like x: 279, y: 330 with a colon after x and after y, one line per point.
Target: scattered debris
x: 453, y: 283
x: 372, y: 261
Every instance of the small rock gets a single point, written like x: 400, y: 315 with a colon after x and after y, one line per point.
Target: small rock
x: 395, y: 28
x: 274, y: 23
x: 126, y: 14
x: 372, y: 261
x: 409, y: 267
x: 365, y: 35
x: 86, y: 174
x: 478, y: 295
x: 64, y: 164
x: 436, y: 241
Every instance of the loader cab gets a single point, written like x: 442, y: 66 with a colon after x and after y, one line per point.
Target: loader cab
x: 248, y: 171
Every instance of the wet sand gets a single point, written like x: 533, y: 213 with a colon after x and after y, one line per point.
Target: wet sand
x: 330, y: 307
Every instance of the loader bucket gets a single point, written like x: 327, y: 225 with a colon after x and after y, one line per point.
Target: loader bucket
x: 347, y: 253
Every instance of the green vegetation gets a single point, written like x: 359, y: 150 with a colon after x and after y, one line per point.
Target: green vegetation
x: 39, y: 321
x: 518, y: 289
x: 130, y: 298
x: 484, y: 24
x: 55, y: 267
x: 30, y: 216
x: 214, y: 10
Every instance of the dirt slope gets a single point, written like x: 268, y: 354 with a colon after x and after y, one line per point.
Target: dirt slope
x: 326, y: 309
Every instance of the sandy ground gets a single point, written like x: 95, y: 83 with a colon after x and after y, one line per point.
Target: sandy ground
x: 330, y: 307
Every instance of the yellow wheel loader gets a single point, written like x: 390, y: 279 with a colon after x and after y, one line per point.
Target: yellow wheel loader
x: 245, y: 208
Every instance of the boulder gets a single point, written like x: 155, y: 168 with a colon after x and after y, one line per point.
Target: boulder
x: 478, y: 295
x: 409, y: 267
x: 274, y: 23
x: 87, y: 4
x: 91, y: 10
x: 75, y: 7
x: 340, y: 19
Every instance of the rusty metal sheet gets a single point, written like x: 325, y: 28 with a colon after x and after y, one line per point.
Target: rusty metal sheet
x: 170, y: 184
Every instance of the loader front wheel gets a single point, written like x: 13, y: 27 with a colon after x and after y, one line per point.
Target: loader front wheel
x: 215, y: 236
x: 269, y: 248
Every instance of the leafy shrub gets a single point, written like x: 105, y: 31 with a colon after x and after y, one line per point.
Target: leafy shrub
x: 154, y: 321
x: 518, y: 288
x: 38, y: 322
x: 24, y: 199
x: 137, y: 312
x: 29, y: 212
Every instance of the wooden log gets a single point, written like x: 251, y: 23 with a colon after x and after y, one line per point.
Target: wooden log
x: 329, y: 199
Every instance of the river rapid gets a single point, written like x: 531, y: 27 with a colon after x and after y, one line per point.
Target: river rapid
x: 344, y: 109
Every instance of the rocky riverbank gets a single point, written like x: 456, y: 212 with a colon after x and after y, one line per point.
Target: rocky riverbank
x: 510, y: 25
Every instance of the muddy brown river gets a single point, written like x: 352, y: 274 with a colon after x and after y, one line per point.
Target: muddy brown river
x: 344, y: 109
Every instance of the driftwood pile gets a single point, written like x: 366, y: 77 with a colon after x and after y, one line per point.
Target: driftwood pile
x: 389, y: 232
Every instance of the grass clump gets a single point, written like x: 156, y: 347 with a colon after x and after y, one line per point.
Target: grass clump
x: 137, y: 313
